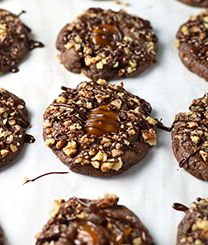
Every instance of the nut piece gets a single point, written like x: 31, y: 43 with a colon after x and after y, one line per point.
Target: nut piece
x: 70, y: 149
x: 13, y: 147
x: 117, y: 165
x: 151, y: 120
x: 101, y: 82
x: 100, y: 156
x: 4, y: 153
x: 204, y: 155
x: 50, y: 142
x: 149, y: 136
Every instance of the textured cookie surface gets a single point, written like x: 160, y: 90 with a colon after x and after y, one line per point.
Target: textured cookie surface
x: 99, y: 129
x: 190, y: 138
x: 193, y: 228
x: 192, y: 43
x: 13, y: 122
x: 107, y: 44
x: 95, y: 222
x: 14, y: 41
x: 196, y: 3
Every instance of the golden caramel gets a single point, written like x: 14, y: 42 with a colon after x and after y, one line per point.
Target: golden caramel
x: 88, y: 233
x: 105, y: 35
x: 102, y: 120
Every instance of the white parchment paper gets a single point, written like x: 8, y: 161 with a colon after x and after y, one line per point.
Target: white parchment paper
x: 150, y: 189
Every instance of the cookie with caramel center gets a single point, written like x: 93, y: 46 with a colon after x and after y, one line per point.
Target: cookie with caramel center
x: 107, y: 44
x: 99, y: 129
x: 94, y: 222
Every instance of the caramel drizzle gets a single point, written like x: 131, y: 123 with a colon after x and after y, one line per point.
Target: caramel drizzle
x: 102, y: 120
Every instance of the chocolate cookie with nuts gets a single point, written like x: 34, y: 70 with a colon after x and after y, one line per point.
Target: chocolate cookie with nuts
x: 15, y: 41
x: 193, y: 229
x: 196, y: 3
x: 99, y: 129
x: 190, y: 138
x: 192, y: 44
x: 95, y: 222
x: 13, y: 122
x: 107, y: 44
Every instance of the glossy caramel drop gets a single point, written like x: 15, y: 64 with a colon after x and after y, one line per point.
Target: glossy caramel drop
x: 88, y: 234
x: 102, y: 120
x: 106, y: 35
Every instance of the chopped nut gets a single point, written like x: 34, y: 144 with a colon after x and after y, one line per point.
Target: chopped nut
x: 61, y: 99
x: 176, y: 43
x: 204, y: 155
x: 116, y: 153
x: 12, y: 122
x: 13, y: 147
x: 117, y: 103
x: 47, y: 124
x: 50, y: 142
x: 192, y: 124
x: 149, y: 136
x: 70, y: 149
x: 95, y: 164
x: 151, y: 120
x: 57, y: 204
x: 4, y: 153
x: 106, y: 166
x: 185, y: 30
x: 195, y: 139
x: 100, y: 156
x: 137, y: 241
x: 69, y: 45
x: 101, y: 82
x: 117, y: 165
x: 202, y: 224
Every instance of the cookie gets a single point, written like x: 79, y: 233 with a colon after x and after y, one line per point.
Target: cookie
x: 13, y: 122
x: 196, y: 3
x: 193, y: 229
x: 99, y: 129
x: 190, y: 138
x: 1, y: 237
x: 96, y: 222
x: 15, y: 42
x: 192, y: 44
x: 107, y: 44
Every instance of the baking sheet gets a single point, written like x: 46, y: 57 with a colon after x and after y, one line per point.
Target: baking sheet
x: 149, y: 189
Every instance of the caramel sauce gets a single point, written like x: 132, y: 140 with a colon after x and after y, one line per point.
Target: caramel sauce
x: 88, y: 234
x: 106, y: 35
x: 101, y: 121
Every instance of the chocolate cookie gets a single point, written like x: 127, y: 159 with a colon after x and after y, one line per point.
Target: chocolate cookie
x: 196, y: 3
x: 107, y: 44
x: 192, y: 43
x: 99, y: 129
x: 190, y: 138
x: 95, y: 222
x: 15, y: 42
x: 13, y: 122
x: 1, y: 237
x: 193, y: 228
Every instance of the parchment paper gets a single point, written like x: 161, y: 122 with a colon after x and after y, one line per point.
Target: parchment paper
x: 148, y: 189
